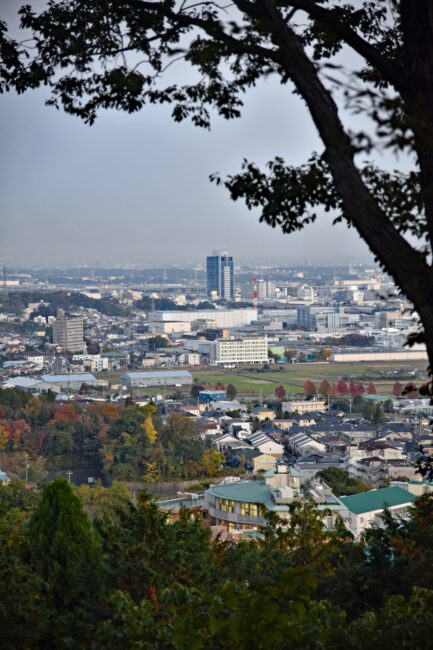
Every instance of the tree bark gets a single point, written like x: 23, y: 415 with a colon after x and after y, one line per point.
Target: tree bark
x: 417, y: 27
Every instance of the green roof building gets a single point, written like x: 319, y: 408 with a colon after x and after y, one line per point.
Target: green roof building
x: 243, y: 505
x: 364, y: 509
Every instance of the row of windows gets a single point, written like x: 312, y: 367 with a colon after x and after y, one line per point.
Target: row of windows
x: 226, y: 505
x: 249, y: 509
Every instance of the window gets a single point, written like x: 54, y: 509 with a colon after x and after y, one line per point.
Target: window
x: 226, y: 505
x: 251, y: 509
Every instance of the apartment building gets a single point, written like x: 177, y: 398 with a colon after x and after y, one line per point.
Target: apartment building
x: 239, y: 351
x: 68, y: 332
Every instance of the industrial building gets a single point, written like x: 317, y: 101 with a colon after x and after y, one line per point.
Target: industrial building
x: 156, y: 378
x: 165, y: 322
x: 400, y: 355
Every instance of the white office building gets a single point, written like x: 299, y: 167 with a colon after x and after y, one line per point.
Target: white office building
x: 265, y: 289
x: 239, y: 351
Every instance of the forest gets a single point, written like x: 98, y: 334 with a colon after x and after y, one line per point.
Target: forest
x: 116, y: 442
x: 91, y: 567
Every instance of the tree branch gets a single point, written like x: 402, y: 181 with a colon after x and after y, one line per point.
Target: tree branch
x: 211, y: 28
x: 406, y: 265
x: 390, y: 71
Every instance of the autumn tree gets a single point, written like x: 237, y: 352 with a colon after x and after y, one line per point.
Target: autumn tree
x: 212, y: 461
x: 280, y: 392
x: 290, y: 354
x: 326, y: 353
x: 325, y: 388
x: 371, y: 389
x: 150, y: 430
x: 341, y: 387
x: 148, y: 423
x: 397, y: 389
x: 310, y: 388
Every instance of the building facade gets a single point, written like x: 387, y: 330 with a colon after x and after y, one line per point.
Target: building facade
x: 220, y: 276
x: 222, y: 318
x: 365, y: 509
x: 239, y: 351
x: 68, y: 332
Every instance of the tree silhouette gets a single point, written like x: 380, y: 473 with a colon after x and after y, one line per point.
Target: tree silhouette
x: 231, y: 392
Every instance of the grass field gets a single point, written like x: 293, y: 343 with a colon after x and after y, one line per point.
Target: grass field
x: 254, y: 381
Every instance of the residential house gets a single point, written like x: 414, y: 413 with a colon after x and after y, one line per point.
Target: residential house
x: 302, y: 443
x: 265, y: 444
x: 263, y: 413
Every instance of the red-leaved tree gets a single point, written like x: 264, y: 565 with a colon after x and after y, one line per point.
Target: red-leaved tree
x: 280, y: 392
x: 310, y: 388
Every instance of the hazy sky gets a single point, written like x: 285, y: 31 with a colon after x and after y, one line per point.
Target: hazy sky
x: 135, y: 188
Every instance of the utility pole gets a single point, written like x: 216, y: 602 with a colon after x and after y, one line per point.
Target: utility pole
x: 27, y: 465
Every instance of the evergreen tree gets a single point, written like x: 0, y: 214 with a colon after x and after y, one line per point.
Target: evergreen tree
x: 67, y: 557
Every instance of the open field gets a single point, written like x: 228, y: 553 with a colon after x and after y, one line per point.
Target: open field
x: 255, y: 381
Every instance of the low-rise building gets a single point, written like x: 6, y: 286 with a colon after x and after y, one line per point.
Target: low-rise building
x: 243, y: 505
x: 365, y: 509
x: 156, y: 378
x: 305, y: 406
x: 265, y: 444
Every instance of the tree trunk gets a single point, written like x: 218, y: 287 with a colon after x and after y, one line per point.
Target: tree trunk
x: 411, y: 272
x: 417, y: 27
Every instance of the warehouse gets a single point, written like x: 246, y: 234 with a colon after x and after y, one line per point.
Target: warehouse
x: 157, y: 378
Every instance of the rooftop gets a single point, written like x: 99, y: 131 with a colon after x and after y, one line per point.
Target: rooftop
x: 377, y: 499
x: 157, y: 373
x: 248, y: 491
x: 69, y: 376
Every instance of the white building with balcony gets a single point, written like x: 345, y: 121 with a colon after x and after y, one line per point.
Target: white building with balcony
x: 238, y: 351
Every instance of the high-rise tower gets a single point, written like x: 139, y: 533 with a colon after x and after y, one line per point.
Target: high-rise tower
x: 68, y: 332
x: 220, y: 277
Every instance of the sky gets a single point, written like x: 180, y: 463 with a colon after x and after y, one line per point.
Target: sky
x: 134, y: 189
